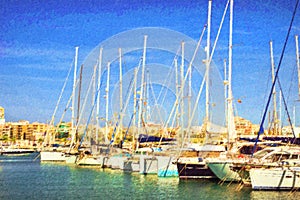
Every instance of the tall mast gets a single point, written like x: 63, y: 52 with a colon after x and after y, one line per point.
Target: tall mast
x: 107, y: 100
x: 90, y: 133
x: 98, y: 97
x: 134, y: 106
x: 78, y: 102
x: 298, y: 63
x: 74, y: 87
x: 147, y: 95
x: 142, y: 83
x: 182, y: 89
x: 177, y: 90
x: 225, y: 90
x: 298, y: 66
x: 121, y: 95
x: 134, y: 98
x: 74, y: 134
x: 280, y: 109
x: 231, y: 125
x: 275, y: 119
x: 207, y: 58
x: 189, y: 95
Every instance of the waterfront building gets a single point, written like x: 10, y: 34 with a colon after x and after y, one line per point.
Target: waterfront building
x: 2, y: 116
x: 244, y: 127
x: 287, y: 131
x: 19, y: 130
x: 4, y: 131
x: 23, y: 132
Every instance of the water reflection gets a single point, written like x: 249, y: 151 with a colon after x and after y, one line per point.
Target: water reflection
x: 59, y: 181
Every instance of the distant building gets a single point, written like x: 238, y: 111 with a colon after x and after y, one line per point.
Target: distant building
x: 287, y: 131
x: 19, y: 130
x: 245, y: 127
x: 23, y: 131
x: 2, y: 116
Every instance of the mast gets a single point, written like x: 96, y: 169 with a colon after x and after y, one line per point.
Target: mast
x: 298, y: 64
x: 134, y: 108
x: 107, y: 101
x: 177, y: 90
x: 121, y: 95
x: 275, y: 119
x: 78, y: 102
x: 94, y: 100
x: 231, y: 125
x: 189, y: 98
x: 98, y: 97
x: 147, y: 95
x: 74, y: 87
x: 74, y: 136
x: 225, y: 91
x: 280, y: 109
x: 142, y: 84
x: 182, y: 89
x: 189, y: 94
x: 134, y: 97
x: 207, y: 59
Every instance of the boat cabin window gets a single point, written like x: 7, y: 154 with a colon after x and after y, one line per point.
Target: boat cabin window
x: 295, y: 156
x: 280, y: 156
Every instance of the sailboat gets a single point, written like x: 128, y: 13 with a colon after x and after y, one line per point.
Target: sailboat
x: 52, y: 153
x: 237, y: 168
x: 285, y: 175
x: 194, y: 163
x: 275, y: 168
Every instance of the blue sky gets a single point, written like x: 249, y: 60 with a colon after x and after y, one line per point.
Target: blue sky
x: 37, y: 40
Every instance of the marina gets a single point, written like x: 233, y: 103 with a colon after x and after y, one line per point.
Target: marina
x: 151, y: 113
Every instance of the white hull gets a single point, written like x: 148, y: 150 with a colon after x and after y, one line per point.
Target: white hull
x: 13, y: 151
x: 148, y: 164
x: 57, y: 156
x: 167, y: 166
x: 89, y: 160
x: 139, y: 163
x: 70, y: 159
x: 116, y: 162
x: 163, y: 166
x: 275, y: 178
x: 131, y: 164
x: 52, y: 156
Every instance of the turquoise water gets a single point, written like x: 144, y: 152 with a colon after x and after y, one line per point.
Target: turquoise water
x: 33, y: 180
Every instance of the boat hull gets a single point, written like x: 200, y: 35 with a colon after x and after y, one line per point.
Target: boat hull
x: 275, y: 178
x: 16, y: 151
x: 52, y: 156
x: 57, y: 156
x: 166, y: 166
x: 223, y: 171
x: 194, y: 170
x: 131, y: 165
x: 89, y: 160
x: 148, y: 164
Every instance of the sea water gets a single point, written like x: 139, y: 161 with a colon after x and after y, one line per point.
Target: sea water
x: 28, y: 179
